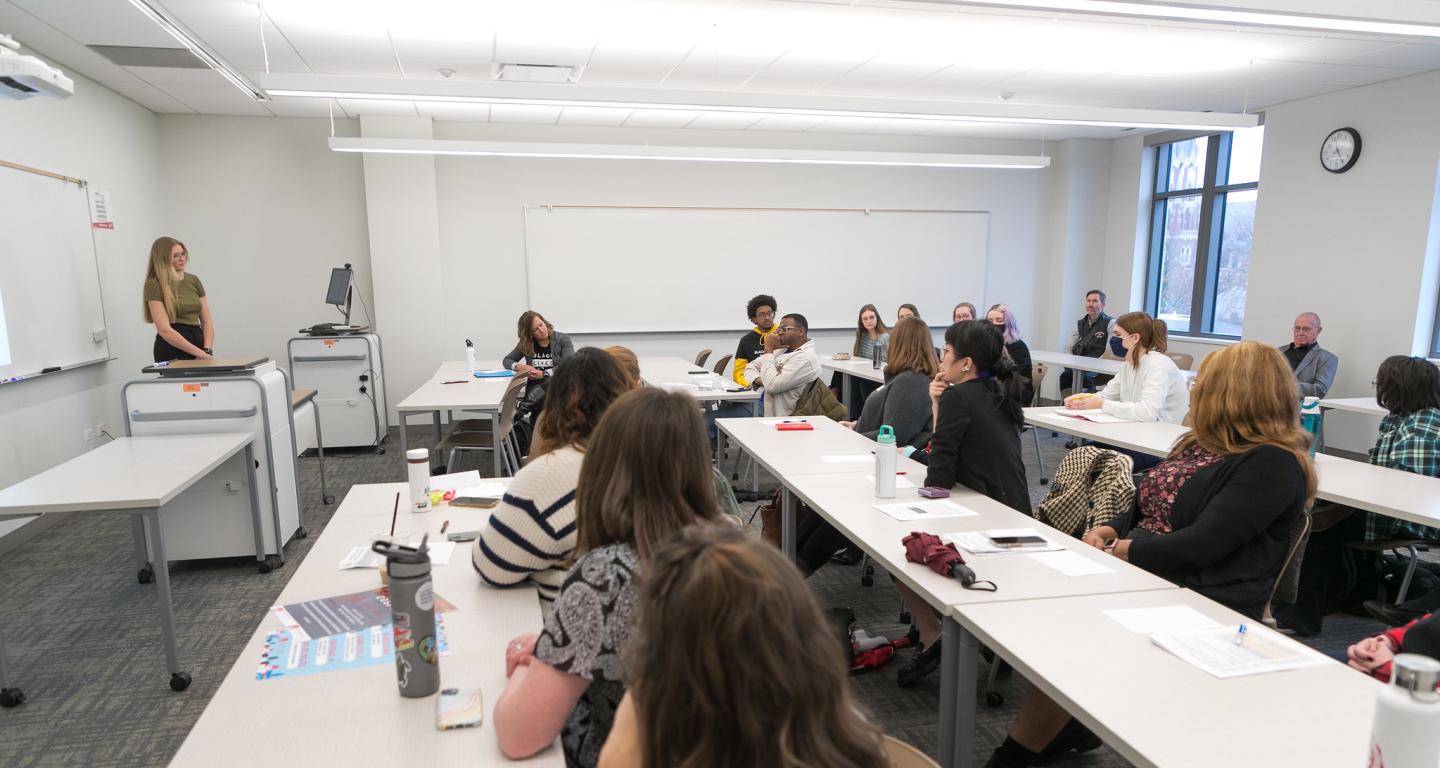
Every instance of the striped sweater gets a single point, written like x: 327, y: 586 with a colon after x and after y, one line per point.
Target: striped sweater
x: 531, y: 534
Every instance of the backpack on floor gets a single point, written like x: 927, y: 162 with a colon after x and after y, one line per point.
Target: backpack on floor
x: 1093, y: 487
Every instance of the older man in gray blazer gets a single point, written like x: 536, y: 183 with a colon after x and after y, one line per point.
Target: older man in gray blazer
x: 1314, y: 367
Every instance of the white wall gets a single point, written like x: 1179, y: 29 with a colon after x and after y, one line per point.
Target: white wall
x: 111, y: 142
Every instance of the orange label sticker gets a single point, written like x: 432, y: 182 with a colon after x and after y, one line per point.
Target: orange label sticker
x: 328, y: 342
x: 191, y: 387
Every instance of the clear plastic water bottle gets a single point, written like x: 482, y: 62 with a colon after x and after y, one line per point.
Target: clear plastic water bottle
x: 412, y: 613
x: 417, y: 465
x: 877, y: 353
x: 1406, y: 733
x: 885, y: 458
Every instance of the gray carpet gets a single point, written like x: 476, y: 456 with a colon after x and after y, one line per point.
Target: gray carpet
x: 83, y: 641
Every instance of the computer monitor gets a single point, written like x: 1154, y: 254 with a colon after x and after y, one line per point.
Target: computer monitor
x: 339, y: 292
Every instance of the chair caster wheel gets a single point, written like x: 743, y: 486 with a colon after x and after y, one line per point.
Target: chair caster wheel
x: 1044, y: 481
x: 146, y: 574
x: 11, y: 697
x: 269, y: 564
x: 867, y: 580
x: 994, y: 699
x: 328, y: 500
x: 380, y: 451
x: 301, y: 533
x: 905, y: 617
x: 179, y: 681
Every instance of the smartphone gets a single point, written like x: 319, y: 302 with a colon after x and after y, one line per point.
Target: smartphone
x: 483, y: 502
x: 463, y: 535
x: 934, y: 492
x: 1018, y: 541
x: 459, y: 708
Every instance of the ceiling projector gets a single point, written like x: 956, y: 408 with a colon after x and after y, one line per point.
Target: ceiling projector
x: 24, y: 76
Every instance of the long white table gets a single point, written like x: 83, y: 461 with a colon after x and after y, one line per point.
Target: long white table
x: 706, y: 386
x: 1365, y: 405
x: 1080, y: 362
x: 435, y: 397
x: 136, y: 476
x: 357, y: 717
x: 856, y: 367
x: 1390, y: 492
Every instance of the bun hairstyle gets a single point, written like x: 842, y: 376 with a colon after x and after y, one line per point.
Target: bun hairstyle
x: 985, y: 346
x: 1154, y: 334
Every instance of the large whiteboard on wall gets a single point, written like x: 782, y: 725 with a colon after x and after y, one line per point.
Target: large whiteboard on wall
x: 50, y: 305
x: 605, y: 269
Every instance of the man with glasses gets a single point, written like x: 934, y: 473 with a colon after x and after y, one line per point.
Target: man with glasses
x: 787, y: 366
x: 1314, y: 367
x: 761, y: 311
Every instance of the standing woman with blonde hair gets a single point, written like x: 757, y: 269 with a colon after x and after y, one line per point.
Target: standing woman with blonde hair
x: 175, y: 304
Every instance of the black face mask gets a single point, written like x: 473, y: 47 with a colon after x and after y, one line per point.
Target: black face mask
x: 1117, y: 346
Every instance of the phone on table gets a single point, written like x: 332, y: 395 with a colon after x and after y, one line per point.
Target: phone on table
x: 934, y: 492
x: 463, y: 535
x: 1018, y: 541
x: 459, y: 708
x: 483, y: 502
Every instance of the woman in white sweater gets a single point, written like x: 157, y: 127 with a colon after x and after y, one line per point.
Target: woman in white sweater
x: 531, y: 535
x: 1150, y: 387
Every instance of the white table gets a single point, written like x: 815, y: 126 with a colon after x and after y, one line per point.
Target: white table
x: 858, y: 367
x: 1080, y: 362
x: 1156, y: 710
x: 1390, y: 492
x: 137, y: 476
x: 435, y: 396
x: 706, y: 386
x: 357, y: 717
x: 1365, y: 405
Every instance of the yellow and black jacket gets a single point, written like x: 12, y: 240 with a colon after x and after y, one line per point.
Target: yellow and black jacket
x: 752, y: 346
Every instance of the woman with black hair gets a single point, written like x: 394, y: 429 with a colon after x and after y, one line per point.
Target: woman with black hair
x: 975, y: 401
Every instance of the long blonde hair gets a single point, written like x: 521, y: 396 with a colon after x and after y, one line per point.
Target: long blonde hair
x: 911, y: 349
x: 1244, y: 397
x: 160, y: 270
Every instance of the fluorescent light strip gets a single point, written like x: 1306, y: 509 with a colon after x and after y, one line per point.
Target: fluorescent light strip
x: 213, y: 61
x: 751, y: 110
x: 1212, y: 14
x: 681, y: 154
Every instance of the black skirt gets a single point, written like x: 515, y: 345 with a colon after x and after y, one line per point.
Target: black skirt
x: 192, y: 333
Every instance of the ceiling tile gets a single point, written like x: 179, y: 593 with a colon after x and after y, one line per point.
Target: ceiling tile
x: 1345, y: 74
x: 786, y: 123
x: 163, y: 77
x: 210, y: 100
x: 846, y: 125
x: 358, y: 107
x: 512, y: 113
x: 660, y: 118
x: 1405, y: 56
x: 594, y: 116
x: 346, y: 54
x: 471, y: 60
x: 306, y: 108
x: 149, y: 97
x: 724, y: 121
x: 466, y: 113
x: 98, y: 24
x: 1323, y: 50
x: 241, y: 47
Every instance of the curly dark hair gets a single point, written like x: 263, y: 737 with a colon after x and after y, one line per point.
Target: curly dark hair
x: 1404, y: 385
x: 582, y: 387
x: 752, y: 306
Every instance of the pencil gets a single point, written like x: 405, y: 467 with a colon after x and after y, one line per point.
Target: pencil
x: 395, y: 514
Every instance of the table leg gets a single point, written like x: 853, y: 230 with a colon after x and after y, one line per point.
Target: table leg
x: 787, y: 522
x: 845, y: 392
x: 325, y: 497
x: 755, y: 465
x: 142, y: 555
x: 256, y: 521
x: 495, y: 440
x: 404, y: 447
x: 439, y: 433
x: 959, y: 657
x: 9, y: 697
x: 179, y: 680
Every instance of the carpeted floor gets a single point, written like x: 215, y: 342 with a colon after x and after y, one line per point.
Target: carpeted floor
x: 83, y: 641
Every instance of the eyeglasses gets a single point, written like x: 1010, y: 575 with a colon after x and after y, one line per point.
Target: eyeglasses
x: 1305, y: 328
x: 787, y: 328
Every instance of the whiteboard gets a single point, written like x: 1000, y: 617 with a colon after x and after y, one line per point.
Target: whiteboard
x: 596, y: 269
x: 50, y: 306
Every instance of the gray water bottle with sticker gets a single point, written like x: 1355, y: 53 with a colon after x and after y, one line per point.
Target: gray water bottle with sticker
x: 412, y: 613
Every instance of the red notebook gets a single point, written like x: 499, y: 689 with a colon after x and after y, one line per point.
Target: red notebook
x: 794, y: 426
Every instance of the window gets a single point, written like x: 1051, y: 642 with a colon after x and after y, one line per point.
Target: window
x: 1200, y: 231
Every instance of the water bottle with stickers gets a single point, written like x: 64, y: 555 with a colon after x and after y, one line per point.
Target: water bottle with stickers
x: 412, y: 614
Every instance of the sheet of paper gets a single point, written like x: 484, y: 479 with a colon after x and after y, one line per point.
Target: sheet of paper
x: 928, y: 509
x: 1097, y: 417
x: 490, y: 489
x: 454, y: 480
x: 440, y: 551
x: 979, y: 542
x: 361, y: 557
x: 848, y: 459
x: 1216, y: 651
x: 901, y: 481
x: 1163, y: 618
x: 1069, y: 563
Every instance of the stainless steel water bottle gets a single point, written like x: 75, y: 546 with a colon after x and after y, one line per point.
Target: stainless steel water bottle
x: 412, y: 613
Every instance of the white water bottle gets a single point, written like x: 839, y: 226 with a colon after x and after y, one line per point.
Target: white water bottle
x: 417, y: 461
x: 885, y: 463
x: 1406, y: 733
x: 469, y: 356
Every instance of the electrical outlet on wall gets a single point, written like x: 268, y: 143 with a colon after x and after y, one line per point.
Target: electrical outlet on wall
x: 101, y: 429
x: 89, y: 435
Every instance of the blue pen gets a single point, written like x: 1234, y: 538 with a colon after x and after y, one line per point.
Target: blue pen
x: 1240, y: 635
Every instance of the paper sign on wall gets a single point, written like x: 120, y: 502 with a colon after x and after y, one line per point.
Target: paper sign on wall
x: 101, y: 214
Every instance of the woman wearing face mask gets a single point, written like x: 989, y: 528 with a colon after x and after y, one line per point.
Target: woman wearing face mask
x: 175, y: 303
x: 1149, y: 386
x: 1002, y: 318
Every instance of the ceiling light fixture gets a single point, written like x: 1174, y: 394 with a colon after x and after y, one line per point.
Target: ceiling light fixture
x: 760, y: 104
x: 175, y: 29
x: 682, y: 154
x: 1213, y: 14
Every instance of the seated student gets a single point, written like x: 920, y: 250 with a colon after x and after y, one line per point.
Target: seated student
x: 903, y: 403
x: 1374, y: 655
x: 705, y: 600
x: 531, y: 534
x: 975, y: 402
x: 787, y: 366
x: 646, y: 476
x: 1088, y: 340
x: 628, y: 362
x: 761, y: 311
x: 1001, y: 317
x: 906, y: 310
x: 963, y: 311
x: 870, y: 331
x: 1149, y: 387
x: 539, y: 350
x: 1314, y: 367
x: 1214, y: 517
x: 1332, y: 575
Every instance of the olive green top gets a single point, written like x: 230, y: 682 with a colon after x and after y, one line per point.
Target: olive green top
x: 187, y: 298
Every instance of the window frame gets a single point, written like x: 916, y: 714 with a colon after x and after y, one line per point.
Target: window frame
x: 1209, y: 237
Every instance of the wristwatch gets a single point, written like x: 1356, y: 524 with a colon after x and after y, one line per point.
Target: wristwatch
x: 208, y: 350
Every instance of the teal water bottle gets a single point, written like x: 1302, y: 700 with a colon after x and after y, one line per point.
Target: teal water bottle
x: 1310, y: 420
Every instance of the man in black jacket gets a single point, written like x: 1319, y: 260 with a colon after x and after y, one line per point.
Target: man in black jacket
x: 1092, y: 333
